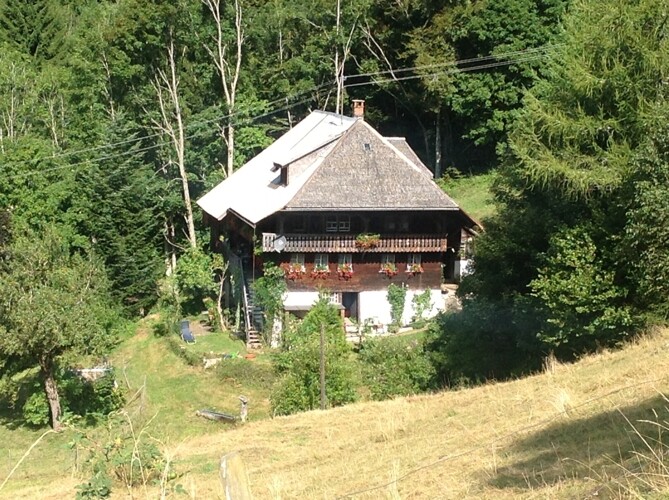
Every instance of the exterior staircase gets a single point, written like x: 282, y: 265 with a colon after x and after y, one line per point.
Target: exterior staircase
x: 254, y: 317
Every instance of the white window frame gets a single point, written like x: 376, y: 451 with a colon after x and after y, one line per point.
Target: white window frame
x: 387, y: 258
x: 345, y: 258
x: 338, y: 224
x: 297, y: 259
x: 414, y: 259
x: 331, y: 224
x: 322, y: 260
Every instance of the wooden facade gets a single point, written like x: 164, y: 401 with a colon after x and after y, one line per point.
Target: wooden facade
x: 366, y: 273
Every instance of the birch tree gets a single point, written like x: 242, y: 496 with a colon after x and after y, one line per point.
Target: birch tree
x: 166, y: 85
x: 229, y: 67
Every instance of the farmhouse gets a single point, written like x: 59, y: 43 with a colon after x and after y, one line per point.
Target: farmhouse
x: 340, y: 208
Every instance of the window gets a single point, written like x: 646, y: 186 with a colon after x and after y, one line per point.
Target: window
x: 331, y: 225
x: 334, y: 298
x: 297, y: 259
x: 338, y: 224
x: 413, y: 258
x: 321, y: 261
x: 345, y: 259
x: 345, y: 265
x: 413, y: 263
x: 388, y: 266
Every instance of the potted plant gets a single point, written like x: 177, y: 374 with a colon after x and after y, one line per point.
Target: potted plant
x: 389, y: 269
x: 367, y: 240
x: 345, y: 271
x: 294, y: 271
x: 414, y: 269
x: 320, y: 271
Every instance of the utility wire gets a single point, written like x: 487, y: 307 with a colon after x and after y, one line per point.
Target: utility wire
x: 153, y: 146
x: 531, y: 56
x: 158, y: 134
x: 450, y: 71
x: 459, y: 62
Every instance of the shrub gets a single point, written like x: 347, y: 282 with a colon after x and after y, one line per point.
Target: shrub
x: 395, y: 367
x: 396, y: 297
x: 125, y: 456
x: 36, y: 409
x: 299, y: 363
x: 485, y: 340
x: 177, y: 346
x: 421, y: 302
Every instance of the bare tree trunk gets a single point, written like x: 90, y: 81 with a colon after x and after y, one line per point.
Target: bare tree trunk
x: 437, y: 145
x: 228, y: 70
x: 172, y: 126
x: 51, y: 390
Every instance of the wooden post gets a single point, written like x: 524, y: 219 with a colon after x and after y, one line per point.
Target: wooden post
x: 233, y: 477
x: 323, y: 396
x: 244, y: 411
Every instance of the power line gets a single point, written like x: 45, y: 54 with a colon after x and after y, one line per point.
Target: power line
x: 158, y: 134
x: 531, y: 55
x: 503, y: 55
x: 497, y: 64
x: 151, y: 147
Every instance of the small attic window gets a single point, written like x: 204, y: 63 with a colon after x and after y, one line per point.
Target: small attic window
x: 367, y: 146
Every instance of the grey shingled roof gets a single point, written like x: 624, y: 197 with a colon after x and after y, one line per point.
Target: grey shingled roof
x: 402, y: 144
x: 365, y: 171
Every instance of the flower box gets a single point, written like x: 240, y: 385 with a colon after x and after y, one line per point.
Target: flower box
x: 389, y: 269
x: 414, y: 269
x: 320, y: 272
x: 294, y: 271
x: 345, y: 271
x: 367, y: 240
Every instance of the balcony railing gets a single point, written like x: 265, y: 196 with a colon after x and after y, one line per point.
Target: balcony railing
x: 346, y: 243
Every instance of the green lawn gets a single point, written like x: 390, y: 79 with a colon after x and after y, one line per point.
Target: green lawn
x: 472, y: 193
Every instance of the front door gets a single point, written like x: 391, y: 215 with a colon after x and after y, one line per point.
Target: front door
x: 350, y: 302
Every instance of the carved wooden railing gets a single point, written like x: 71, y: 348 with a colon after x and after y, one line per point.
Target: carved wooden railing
x: 346, y: 243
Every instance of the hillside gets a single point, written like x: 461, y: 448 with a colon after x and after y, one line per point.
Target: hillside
x: 566, y: 433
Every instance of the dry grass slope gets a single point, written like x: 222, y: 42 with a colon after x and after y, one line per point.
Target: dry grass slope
x: 565, y: 433
x: 574, y: 431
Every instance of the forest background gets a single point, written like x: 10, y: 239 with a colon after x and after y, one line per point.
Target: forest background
x: 115, y: 116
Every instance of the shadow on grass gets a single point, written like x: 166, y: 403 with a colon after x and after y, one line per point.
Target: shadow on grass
x: 596, y: 447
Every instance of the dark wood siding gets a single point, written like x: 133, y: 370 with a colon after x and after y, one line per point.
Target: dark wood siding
x: 366, y: 275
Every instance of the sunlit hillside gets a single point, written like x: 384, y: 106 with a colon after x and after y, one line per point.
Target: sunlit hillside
x: 591, y: 429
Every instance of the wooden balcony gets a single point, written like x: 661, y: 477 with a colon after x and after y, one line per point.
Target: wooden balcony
x: 346, y: 243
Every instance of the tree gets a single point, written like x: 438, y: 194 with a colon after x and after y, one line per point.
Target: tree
x: 299, y: 362
x: 580, y: 183
x: 229, y: 69
x: 53, y: 306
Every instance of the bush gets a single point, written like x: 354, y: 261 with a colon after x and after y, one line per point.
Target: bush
x: 485, y: 340
x: 36, y: 409
x: 299, y: 363
x: 396, y: 297
x: 394, y: 367
x: 124, y: 456
x: 89, y: 399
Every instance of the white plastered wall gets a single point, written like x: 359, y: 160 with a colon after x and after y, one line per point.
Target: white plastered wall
x: 374, y: 306
x: 300, y: 299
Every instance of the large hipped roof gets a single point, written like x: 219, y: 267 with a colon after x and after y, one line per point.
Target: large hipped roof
x: 334, y: 163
